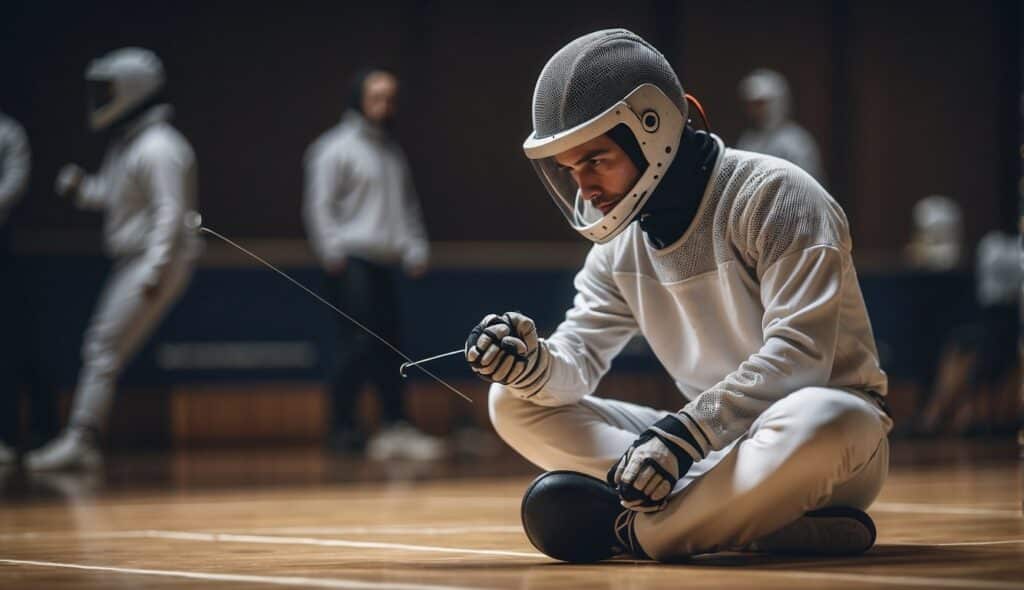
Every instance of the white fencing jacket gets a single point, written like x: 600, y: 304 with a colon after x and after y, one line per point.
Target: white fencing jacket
x: 757, y: 299
x: 15, y: 160
x: 360, y: 199
x: 146, y: 186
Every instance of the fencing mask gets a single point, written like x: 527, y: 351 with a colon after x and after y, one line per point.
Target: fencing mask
x: 607, y: 82
x: 120, y: 82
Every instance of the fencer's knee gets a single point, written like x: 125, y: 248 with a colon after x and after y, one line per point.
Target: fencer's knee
x: 845, y: 415
x: 506, y: 412
x: 832, y: 420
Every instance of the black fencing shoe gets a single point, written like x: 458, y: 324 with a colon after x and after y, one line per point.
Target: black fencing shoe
x: 838, y: 530
x: 577, y: 518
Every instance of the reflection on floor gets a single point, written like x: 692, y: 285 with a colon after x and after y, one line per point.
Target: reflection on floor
x: 950, y: 516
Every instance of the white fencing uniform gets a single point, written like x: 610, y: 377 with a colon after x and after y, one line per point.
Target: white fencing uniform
x: 146, y: 186
x: 786, y: 140
x: 757, y: 315
x: 360, y: 200
x: 776, y: 134
x: 15, y: 161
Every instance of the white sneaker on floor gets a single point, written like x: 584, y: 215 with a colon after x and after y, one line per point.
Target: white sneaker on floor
x: 75, y: 448
x: 403, y: 441
x: 7, y: 455
x: 476, y: 443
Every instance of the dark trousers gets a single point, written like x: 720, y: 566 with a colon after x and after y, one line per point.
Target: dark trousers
x: 20, y: 365
x: 369, y: 293
x: 10, y: 332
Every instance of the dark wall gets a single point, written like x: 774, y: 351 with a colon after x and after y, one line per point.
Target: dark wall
x: 928, y: 113
x: 904, y: 101
x: 250, y: 309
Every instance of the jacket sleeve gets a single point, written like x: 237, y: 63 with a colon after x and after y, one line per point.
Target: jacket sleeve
x: 595, y: 330
x: 797, y: 242
x: 416, y: 249
x: 324, y: 176
x: 93, y: 191
x: 15, y: 167
x: 165, y: 170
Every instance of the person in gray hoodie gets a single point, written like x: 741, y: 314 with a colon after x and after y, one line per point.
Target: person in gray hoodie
x: 364, y: 222
x: 15, y: 161
x: 146, y: 188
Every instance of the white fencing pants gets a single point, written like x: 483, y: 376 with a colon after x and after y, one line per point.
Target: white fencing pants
x: 124, y: 317
x: 816, y: 447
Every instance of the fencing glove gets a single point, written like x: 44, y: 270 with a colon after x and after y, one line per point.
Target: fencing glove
x: 648, y: 471
x: 505, y: 349
x: 69, y: 179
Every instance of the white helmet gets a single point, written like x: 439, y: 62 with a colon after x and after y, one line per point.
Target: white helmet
x: 771, y: 87
x: 595, y: 83
x: 119, y: 82
x: 938, y: 232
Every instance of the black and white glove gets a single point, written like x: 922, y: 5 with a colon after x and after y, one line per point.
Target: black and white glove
x: 649, y: 469
x: 505, y: 349
x: 69, y: 179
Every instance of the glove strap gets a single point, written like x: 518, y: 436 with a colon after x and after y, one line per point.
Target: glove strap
x: 536, y: 377
x: 683, y: 436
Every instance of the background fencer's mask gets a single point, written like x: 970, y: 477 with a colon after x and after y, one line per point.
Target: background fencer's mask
x: 592, y: 85
x: 119, y: 82
x: 770, y: 88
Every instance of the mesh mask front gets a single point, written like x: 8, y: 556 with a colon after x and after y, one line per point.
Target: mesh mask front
x: 593, y: 72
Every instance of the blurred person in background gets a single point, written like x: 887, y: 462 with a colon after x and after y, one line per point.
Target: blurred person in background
x: 146, y: 188
x: 977, y: 388
x: 15, y: 162
x: 365, y: 226
x: 936, y: 243
x: 765, y: 95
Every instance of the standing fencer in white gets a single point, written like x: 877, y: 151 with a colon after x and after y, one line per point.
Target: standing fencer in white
x: 736, y: 268
x: 766, y: 97
x: 146, y: 188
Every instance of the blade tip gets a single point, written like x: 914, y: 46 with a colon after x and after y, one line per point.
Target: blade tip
x: 194, y: 221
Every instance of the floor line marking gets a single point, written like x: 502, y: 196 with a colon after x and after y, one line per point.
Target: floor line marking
x: 927, y: 582
x: 276, y: 540
x: 918, y: 508
x: 389, y: 530
x: 247, y: 578
x: 362, y: 585
x: 963, y: 543
x: 336, y: 530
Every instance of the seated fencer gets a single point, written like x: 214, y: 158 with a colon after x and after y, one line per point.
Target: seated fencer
x: 736, y: 268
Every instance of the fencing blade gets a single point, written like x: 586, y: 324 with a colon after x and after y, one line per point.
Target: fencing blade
x: 195, y: 222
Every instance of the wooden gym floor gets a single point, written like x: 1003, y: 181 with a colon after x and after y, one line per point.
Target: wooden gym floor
x: 949, y: 517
